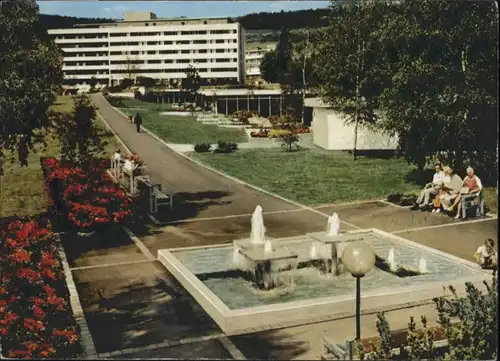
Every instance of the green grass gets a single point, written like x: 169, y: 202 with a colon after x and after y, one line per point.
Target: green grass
x: 185, y: 129
x: 22, y: 191
x: 138, y: 104
x: 315, y: 177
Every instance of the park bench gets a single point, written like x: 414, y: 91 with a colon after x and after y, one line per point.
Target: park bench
x: 153, y: 194
x: 332, y: 351
x: 473, y: 204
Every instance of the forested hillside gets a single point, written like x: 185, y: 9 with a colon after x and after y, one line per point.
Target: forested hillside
x: 312, y: 18
x: 58, y: 22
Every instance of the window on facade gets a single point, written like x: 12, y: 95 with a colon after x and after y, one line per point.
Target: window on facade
x: 183, y: 42
x: 222, y: 60
x: 219, y: 41
x: 182, y: 61
x: 185, y: 51
x: 168, y: 61
x: 202, y: 60
x: 168, y: 42
x: 199, y: 41
x: 153, y: 43
x: 170, y: 33
x: 135, y: 52
x: 154, y: 61
x: 202, y: 51
x: 151, y: 52
x: 169, y: 52
x: 220, y: 50
x: 219, y: 32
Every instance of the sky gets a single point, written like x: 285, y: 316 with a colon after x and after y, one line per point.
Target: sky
x: 115, y: 9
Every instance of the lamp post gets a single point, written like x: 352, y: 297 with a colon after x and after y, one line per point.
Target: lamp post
x: 359, y: 259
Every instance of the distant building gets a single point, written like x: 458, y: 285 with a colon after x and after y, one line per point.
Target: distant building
x: 331, y: 132
x: 253, y: 59
x: 143, y: 45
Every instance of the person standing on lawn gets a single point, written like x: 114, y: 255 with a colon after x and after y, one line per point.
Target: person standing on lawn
x: 138, y: 122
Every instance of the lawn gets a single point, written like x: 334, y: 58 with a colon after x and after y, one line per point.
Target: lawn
x: 185, y: 129
x: 315, y: 177
x: 137, y: 104
x: 22, y: 191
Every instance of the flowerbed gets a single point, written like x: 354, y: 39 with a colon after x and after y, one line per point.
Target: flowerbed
x: 264, y: 133
x: 85, y: 200
x: 35, y: 316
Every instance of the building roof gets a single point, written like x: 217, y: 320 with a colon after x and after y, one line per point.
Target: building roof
x: 155, y: 19
x: 316, y: 103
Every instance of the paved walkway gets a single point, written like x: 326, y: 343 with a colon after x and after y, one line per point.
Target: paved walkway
x: 135, y: 308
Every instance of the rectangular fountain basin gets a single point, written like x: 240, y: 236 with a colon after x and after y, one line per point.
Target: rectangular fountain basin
x: 323, y: 237
x: 208, y: 274
x: 257, y: 255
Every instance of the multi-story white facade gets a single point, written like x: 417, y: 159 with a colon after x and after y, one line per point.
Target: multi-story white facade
x: 143, y: 46
x: 253, y: 59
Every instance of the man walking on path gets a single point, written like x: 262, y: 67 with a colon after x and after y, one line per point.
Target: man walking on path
x: 138, y: 122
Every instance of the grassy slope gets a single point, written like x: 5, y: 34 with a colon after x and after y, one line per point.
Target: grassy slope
x: 22, y: 192
x: 182, y: 129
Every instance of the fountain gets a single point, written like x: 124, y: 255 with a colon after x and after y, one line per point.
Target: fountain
x: 333, y: 225
x: 422, y: 266
x: 261, y: 259
x: 313, y: 252
x: 268, y: 247
x: 258, y: 283
x: 391, y: 261
x: 258, y: 231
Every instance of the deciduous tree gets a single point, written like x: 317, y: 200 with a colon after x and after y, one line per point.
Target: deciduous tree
x: 30, y: 75
x: 348, y: 62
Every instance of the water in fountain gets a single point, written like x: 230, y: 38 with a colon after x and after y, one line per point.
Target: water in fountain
x: 391, y: 260
x: 258, y: 231
x: 313, y: 251
x: 333, y: 225
x: 422, y: 265
x: 238, y: 259
x: 268, y: 247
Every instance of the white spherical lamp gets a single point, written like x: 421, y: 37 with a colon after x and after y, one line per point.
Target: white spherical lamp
x: 358, y: 258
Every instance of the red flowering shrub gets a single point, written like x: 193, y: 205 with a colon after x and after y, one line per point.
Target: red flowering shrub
x: 87, y: 199
x: 35, y: 317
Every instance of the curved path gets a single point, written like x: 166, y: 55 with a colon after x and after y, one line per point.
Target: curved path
x: 201, y: 193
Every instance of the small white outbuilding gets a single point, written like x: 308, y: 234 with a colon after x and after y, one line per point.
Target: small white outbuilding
x: 330, y: 131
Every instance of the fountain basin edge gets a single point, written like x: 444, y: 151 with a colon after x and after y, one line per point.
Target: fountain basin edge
x: 286, y: 314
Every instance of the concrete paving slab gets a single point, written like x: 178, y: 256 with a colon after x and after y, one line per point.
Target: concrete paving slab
x: 219, y: 231
x: 130, y: 306
x: 112, y: 246
x: 461, y: 240
x: 217, y: 203
x: 206, y: 349
x: 304, y: 342
x: 386, y: 217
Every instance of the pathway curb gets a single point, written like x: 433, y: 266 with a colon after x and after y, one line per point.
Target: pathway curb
x: 89, y: 350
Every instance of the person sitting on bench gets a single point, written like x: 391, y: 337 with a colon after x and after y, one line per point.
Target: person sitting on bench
x: 431, y: 189
x: 118, y: 155
x: 449, y: 190
x: 486, y: 255
x: 470, y: 185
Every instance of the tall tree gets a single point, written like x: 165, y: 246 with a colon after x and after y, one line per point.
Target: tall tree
x: 30, y: 75
x: 191, y: 83
x: 79, y: 136
x: 442, y: 99
x: 348, y: 62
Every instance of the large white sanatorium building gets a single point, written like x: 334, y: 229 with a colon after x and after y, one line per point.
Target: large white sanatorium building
x: 144, y: 46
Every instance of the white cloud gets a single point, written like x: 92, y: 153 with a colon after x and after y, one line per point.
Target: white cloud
x: 117, y: 11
